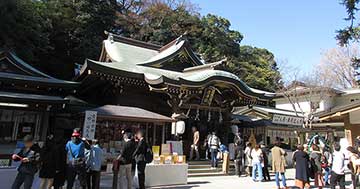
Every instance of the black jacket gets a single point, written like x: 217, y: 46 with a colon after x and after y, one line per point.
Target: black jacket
x: 139, y: 153
x: 48, y: 161
x: 33, y: 154
x: 126, y: 154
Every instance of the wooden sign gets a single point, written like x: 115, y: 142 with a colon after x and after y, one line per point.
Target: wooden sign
x: 89, y: 124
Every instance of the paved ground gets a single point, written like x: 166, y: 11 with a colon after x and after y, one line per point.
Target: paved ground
x: 226, y: 182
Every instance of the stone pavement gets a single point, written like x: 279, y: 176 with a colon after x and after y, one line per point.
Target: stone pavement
x: 226, y: 182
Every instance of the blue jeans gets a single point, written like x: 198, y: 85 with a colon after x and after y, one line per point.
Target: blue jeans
x: 214, y: 157
x: 23, y: 178
x: 283, y: 179
x: 257, y: 169
x: 327, y: 174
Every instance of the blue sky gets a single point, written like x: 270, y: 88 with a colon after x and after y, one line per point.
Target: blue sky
x: 295, y: 31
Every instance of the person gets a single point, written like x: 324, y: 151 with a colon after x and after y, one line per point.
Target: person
x: 125, y: 159
x: 326, y: 164
x: 338, y: 168
x: 139, y: 156
x: 248, y: 160
x: 195, y: 144
x: 278, y: 164
x: 316, y: 157
x: 206, y: 146
x: 75, y: 149
x: 257, y: 160
x: 93, y: 175
x: 214, y: 144
x: 48, y: 164
x: 29, y: 156
x: 301, y: 160
x: 265, y: 163
x: 354, y: 162
x: 239, y: 153
x: 60, y: 159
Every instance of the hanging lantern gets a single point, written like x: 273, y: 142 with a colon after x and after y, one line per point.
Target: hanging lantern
x: 220, y: 116
x: 209, y: 116
x: 197, y: 115
x: 188, y: 112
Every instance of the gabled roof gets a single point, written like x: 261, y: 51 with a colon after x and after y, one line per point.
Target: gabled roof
x: 264, y: 110
x: 12, y: 68
x: 124, y: 50
x: 338, y: 110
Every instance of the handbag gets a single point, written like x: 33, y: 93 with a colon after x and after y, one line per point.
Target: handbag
x: 76, y: 162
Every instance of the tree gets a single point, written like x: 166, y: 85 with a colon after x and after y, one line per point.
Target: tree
x: 23, y: 28
x: 337, y: 63
x: 351, y: 32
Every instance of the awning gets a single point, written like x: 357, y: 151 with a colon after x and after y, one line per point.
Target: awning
x: 9, y: 97
x: 128, y: 113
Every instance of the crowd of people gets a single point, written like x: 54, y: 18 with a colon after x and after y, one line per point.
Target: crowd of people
x: 323, y: 164
x: 58, y: 163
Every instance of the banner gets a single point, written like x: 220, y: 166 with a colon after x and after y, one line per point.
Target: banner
x: 287, y: 120
x: 89, y: 124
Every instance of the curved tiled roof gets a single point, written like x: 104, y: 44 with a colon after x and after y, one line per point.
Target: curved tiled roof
x: 156, y: 76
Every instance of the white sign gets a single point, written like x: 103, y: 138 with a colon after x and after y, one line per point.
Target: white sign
x: 287, y: 120
x: 89, y: 124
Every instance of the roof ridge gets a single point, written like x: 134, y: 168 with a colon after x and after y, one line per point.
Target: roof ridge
x: 130, y: 41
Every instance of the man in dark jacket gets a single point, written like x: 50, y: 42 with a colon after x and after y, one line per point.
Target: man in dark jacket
x: 29, y: 157
x: 139, y: 156
x: 125, y: 158
x: 239, y: 154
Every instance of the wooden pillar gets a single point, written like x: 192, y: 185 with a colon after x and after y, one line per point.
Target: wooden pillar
x: 163, y: 134
x: 351, y: 130
x: 154, y: 135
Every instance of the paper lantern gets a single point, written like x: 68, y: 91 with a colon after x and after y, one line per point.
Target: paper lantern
x: 180, y: 127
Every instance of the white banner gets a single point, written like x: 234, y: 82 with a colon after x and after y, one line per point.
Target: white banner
x: 287, y: 120
x: 89, y: 124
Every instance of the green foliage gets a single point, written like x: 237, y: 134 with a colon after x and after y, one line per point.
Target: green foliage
x: 352, y: 32
x: 55, y: 34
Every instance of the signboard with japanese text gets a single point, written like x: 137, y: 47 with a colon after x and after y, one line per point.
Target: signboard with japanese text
x: 287, y: 120
x: 89, y: 124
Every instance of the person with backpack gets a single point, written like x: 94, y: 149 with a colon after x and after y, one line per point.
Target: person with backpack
x: 75, y: 149
x: 29, y: 156
x: 125, y: 159
x: 338, y: 168
x: 214, y: 144
x: 316, y: 158
x: 142, y: 155
x: 94, y: 169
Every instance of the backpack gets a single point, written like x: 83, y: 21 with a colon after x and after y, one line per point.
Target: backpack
x: 214, y: 141
x: 149, y: 156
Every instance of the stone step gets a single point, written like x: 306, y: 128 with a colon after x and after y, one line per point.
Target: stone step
x: 212, y: 174
x: 204, y: 170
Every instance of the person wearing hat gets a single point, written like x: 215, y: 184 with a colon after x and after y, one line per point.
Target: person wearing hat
x: 75, y: 149
x: 29, y: 156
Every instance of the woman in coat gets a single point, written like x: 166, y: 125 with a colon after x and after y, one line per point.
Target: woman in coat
x: 60, y: 158
x: 48, y: 163
x: 316, y: 156
x: 301, y: 160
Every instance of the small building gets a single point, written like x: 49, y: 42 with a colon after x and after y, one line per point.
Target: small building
x: 29, y: 100
x: 268, y: 123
